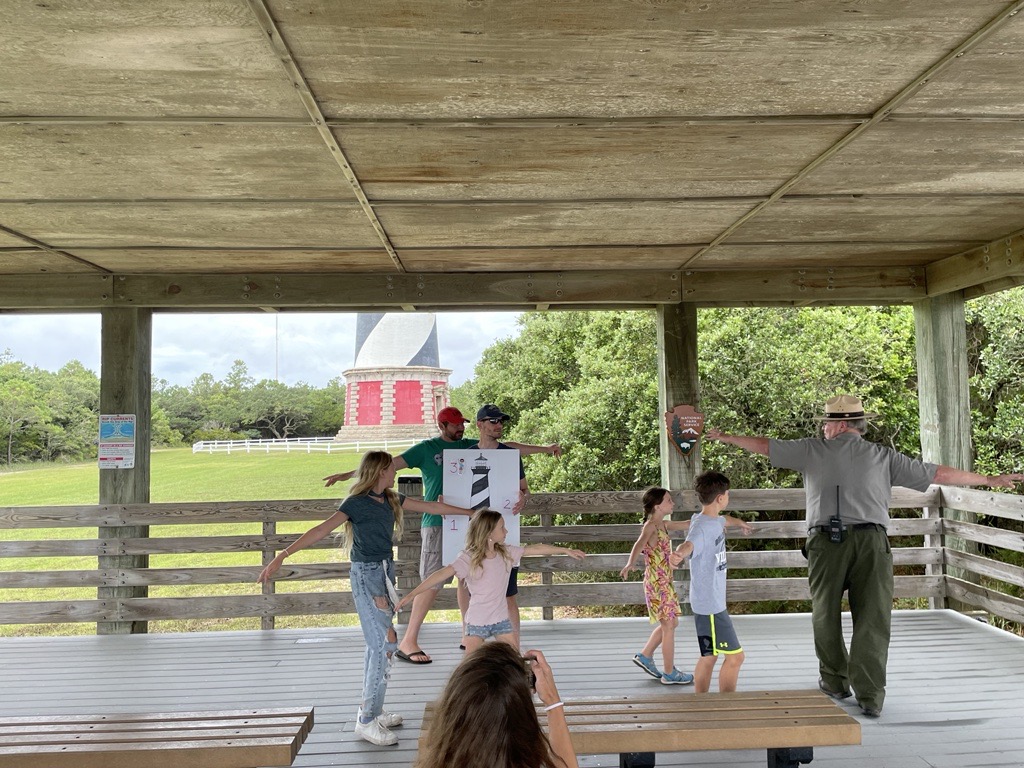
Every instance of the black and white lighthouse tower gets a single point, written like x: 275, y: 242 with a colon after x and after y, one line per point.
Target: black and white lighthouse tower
x: 396, y: 387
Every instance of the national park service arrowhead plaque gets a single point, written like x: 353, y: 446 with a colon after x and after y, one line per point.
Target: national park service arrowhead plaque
x: 684, y: 426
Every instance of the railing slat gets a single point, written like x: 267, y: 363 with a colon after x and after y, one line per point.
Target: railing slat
x: 265, y: 540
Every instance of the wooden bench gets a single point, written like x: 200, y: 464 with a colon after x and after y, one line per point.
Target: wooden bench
x: 226, y: 739
x: 789, y: 724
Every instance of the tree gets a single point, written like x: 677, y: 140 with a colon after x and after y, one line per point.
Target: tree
x: 589, y: 381
x: 279, y: 409
x: 20, y: 408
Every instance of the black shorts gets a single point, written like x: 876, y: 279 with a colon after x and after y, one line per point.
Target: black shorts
x: 715, y: 634
x: 513, y: 583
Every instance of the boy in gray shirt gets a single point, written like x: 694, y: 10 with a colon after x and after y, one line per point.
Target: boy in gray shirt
x: 705, y: 545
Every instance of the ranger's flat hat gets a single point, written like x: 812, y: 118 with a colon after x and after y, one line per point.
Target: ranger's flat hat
x: 845, y: 408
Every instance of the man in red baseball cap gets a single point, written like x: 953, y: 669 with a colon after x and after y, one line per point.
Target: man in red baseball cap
x: 428, y: 457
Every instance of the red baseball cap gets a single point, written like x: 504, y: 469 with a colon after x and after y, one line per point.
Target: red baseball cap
x: 451, y: 415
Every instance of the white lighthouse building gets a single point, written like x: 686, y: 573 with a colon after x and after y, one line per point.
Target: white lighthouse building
x: 396, y: 387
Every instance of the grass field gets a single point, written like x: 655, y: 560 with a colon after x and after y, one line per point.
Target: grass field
x: 179, y: 475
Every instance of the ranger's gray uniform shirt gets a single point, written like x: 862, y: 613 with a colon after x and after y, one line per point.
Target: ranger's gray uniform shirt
x: 864, y: 473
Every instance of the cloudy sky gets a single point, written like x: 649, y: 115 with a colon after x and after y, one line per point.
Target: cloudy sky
x: 311, y: 347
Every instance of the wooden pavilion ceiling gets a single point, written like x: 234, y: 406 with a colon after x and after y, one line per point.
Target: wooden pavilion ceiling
x: 438, y: 153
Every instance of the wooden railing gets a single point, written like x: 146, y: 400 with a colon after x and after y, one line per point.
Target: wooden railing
x: 572, y: 583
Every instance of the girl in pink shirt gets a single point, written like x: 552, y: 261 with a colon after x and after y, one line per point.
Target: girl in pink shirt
x: 485, y: 564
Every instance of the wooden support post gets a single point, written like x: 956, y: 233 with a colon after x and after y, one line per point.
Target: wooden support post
x: 269, y: 532
x: 677, y: 385
x: 944, y: 398
x: 125, y: 387
x: 410, y: 486
x: 547, y: 578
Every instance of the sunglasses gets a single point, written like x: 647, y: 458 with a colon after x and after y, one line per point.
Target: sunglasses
x: 494, y: 421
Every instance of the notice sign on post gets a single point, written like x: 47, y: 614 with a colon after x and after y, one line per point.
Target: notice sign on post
x: 117, y: 441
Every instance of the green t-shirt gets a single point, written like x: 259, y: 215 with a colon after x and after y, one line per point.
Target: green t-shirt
x: 428, y: 457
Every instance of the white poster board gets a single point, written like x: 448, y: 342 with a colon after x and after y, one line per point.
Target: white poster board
x: 117, y: 441
x: 496, y: 475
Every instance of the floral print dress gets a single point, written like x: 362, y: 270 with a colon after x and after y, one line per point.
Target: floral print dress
x: 659, y: 591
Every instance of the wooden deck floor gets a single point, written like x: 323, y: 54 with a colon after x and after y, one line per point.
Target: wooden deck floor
x: 955, y: 694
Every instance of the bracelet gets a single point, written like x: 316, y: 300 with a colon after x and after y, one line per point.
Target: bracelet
x: 556, y: 705
x: 285, y: 551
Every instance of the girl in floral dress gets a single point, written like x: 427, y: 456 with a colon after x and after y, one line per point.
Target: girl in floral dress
x: 659, y: 591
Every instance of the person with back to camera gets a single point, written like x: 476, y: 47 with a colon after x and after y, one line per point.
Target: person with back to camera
x: 705, y: 546
x: 373, y: 516
x: 655, y: 544
x: 486, y: 717
x: 848, y: 481
x: 485, y: 564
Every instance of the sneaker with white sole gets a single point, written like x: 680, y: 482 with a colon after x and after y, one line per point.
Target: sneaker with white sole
x: 675, y: 677
x: 375, y: 733
x: 646, y: 663
x: 390, y: 719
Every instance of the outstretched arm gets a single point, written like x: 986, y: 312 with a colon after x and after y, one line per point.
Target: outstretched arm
x: 435, y: 508
x: 554, y: 449
x: 735, y: 522
x: 437, y: 577
x: 952, y: 476
x: 551, y: 549
x: 311, y: 536
x: 634, y: 554
x: 339, y: 478
x: 747, y: 443
x: 681, y: 552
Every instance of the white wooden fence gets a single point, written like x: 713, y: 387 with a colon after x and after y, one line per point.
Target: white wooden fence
x: 298, y: 445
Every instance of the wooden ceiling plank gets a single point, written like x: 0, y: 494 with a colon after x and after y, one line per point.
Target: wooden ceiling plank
x: 987, y: 265
x: 48, y: 248
x: 291, y: 66
x: 882, y: 113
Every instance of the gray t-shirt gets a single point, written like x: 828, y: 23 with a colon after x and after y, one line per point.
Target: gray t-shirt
x: 373, y: 526
x: 707, y: 564
x: 850, y: 474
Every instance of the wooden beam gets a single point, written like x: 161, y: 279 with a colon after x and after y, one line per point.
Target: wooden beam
x: 340, y: 291
x: 832, y: 284
x: 492, y: 290
x: 999, y: 263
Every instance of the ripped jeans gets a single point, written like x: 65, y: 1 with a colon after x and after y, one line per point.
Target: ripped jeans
x: 368, y: 587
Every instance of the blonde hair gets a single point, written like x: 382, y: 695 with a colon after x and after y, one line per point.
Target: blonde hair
x: 482, y: 524
x: 373, y: 465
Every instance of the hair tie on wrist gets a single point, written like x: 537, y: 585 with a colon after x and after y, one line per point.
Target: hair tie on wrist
x: 556, y: 705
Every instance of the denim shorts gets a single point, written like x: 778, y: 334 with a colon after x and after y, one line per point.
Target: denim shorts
x: 489, y: 630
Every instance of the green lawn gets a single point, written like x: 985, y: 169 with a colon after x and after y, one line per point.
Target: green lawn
x: 178, y: 475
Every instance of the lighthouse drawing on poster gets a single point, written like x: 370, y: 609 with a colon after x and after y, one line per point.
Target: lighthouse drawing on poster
x: 475, y: 479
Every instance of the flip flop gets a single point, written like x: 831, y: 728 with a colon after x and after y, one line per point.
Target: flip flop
x: 411, y: 658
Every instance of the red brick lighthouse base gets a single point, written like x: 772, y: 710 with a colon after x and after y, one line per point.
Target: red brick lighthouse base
x: 396, y: 388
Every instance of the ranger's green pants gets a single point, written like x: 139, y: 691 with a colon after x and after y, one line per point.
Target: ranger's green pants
x: 861, y: 566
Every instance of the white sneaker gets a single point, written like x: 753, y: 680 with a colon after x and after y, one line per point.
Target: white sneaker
x: 389, y: 719
x: 375, y: 733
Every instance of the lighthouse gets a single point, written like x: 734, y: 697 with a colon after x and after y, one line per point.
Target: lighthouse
x: 396, y: 387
